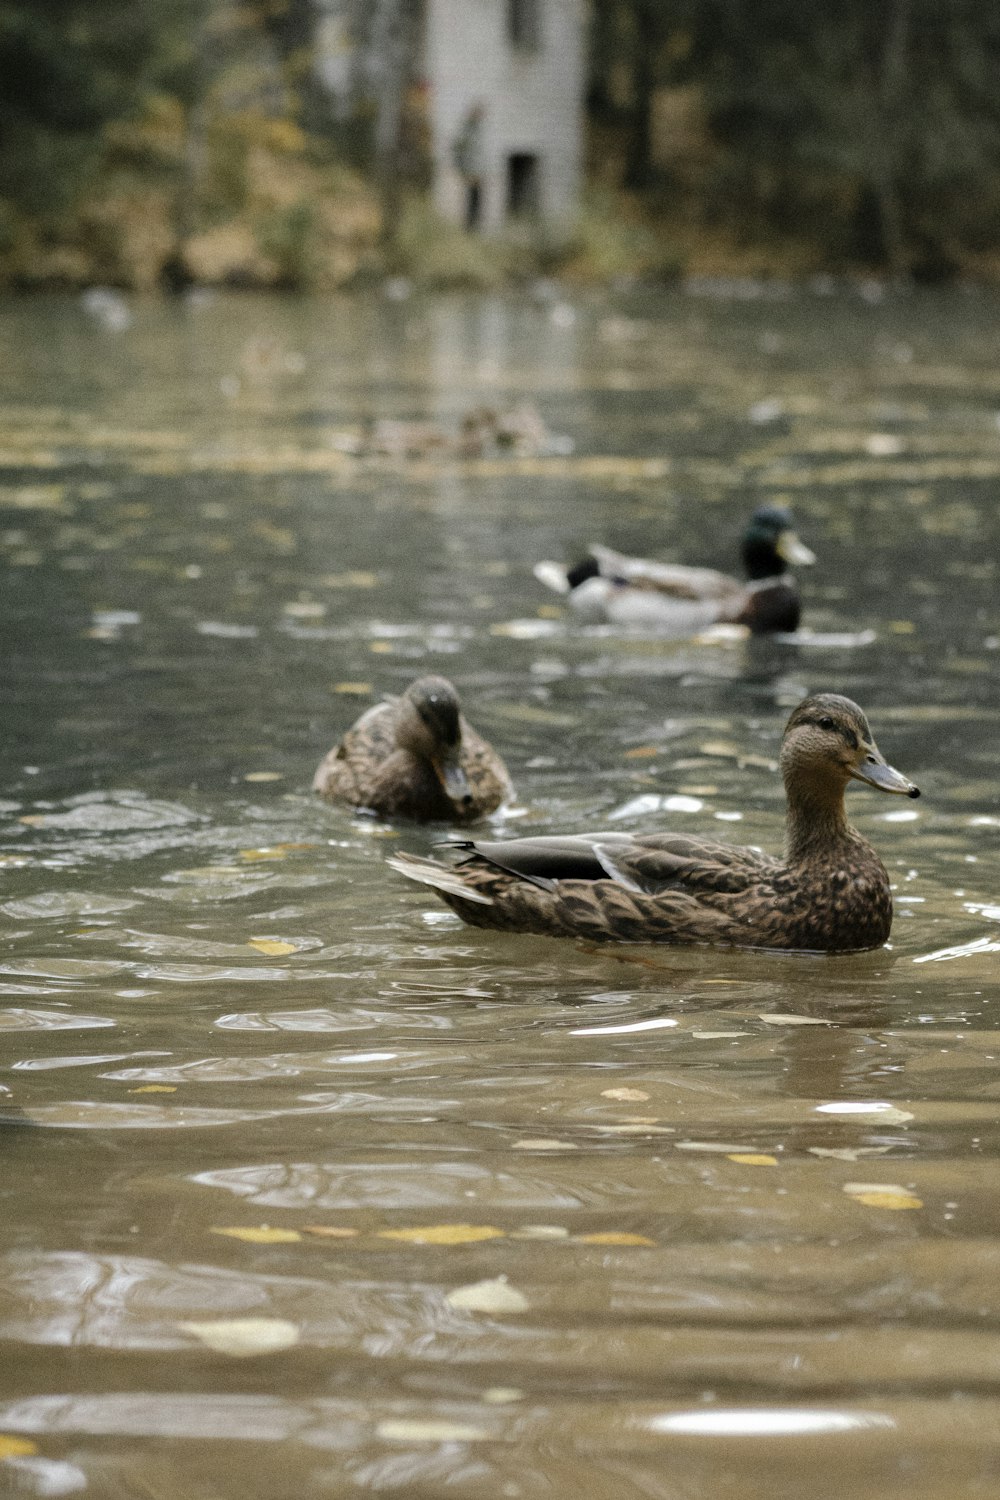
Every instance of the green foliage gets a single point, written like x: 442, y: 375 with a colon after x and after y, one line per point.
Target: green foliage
x: 68, y: 68
x: 875, y: 128
x: 442, y: 255
x: 609, y: 242
x: 870, y: 131
x: 286, y: 238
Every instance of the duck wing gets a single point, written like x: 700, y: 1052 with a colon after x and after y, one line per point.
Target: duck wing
x: 666, y: 578
x: 540, y: 861
x: 347, y: 772
x: 657, y: 863
x: 649, y: 863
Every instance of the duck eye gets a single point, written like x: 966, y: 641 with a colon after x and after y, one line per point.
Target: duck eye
x: 827, y: 723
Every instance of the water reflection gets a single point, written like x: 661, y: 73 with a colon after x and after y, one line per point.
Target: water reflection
x: 744, y: 1204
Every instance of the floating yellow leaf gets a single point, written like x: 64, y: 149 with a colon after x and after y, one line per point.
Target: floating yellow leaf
x: 33, y: 820
x: 623, y: 1094
x: 642, y: 752
x: 882, y: 1195
x: 155, y: 1088
x: 37, y: 497
x: 329, y: 1231
x: 613, y: 1237
x: 352, y: 580
x: 263, y: 776
x: 260, y: 1234
x: 358, y: 689
x: 251, y: 855
x: 271, y: 947
x: 752, y: 1158
x: 495, y: 1296
x: 443, y: 1234
x: 902, y: 627
x: 279, y: 537
x: 723, y: 750
x: 888, y: 1200
x: 243, y: 1337
x: 304, y: 609
x: 16, y: 1447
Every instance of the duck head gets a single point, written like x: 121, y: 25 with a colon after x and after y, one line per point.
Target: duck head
x: 828, y: 742
x: 429, y: 726
x: 770, y: 544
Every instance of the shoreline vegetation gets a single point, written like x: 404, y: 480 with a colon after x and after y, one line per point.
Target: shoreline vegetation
x: 191, y: 145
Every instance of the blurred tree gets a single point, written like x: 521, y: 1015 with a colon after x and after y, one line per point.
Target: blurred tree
x: 873, y: 128
x: 627, y: 66
x: 68, y: 67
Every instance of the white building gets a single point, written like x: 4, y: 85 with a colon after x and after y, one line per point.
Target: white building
x: 519, y: 63
x: 522, y: 62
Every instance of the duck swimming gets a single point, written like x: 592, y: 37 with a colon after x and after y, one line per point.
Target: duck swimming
x: 829, y: 892
x: 418, y: 757
x: 633, y: 591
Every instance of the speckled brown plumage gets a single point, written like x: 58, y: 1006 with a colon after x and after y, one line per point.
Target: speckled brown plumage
x: 830, y: 891
x: 418, y: 757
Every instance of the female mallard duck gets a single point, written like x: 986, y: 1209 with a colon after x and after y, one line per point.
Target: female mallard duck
x: 829, y: 893
x: 416, y: 756
x: 633, y: 591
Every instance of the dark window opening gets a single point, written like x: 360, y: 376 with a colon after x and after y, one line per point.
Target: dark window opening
x: 473, y: 205
x: 524, y: 23
x: 522, y: 185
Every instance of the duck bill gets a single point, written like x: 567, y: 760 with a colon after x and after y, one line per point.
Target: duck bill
x: 453, y: 778
x: 876, y: 772
x: 793, y: 551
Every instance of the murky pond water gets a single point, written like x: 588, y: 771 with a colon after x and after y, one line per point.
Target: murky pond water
x: 492, y: 1215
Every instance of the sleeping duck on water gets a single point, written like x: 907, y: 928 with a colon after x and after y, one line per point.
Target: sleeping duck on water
x: 416, y: 756
x: 828, y: 892
x: 682, y: 600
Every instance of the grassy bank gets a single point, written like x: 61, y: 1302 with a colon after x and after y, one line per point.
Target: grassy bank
x: 249, y: 200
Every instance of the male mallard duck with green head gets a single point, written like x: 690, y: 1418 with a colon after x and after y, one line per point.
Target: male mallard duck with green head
x: 416, y: 756
x: 681, y: 600
x: 829, y: 892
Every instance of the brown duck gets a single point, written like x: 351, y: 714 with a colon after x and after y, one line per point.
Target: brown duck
x: 830, y: 891
x: 416, y: 756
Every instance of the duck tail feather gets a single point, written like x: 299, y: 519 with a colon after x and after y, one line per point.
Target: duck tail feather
x: 553, y: 575
x: 427, y: 872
